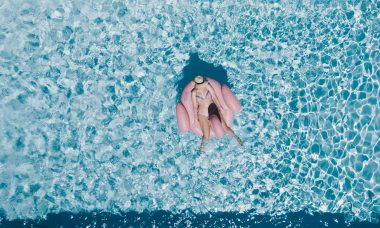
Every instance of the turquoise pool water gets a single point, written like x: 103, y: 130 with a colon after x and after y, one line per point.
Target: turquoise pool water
x: 87, y: 107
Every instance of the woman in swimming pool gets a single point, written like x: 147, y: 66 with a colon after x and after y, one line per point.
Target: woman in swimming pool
x: 204, y: 99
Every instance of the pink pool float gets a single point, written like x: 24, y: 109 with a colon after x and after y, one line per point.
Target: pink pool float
x: 185, y: 111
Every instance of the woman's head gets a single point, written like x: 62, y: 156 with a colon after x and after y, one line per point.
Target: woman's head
x: 199, y: 80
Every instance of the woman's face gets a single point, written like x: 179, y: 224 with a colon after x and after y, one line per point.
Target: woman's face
x: 199, y: 79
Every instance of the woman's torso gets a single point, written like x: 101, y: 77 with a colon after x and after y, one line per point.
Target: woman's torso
x: 204, y: 99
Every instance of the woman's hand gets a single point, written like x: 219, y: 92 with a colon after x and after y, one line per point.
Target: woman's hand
x: 221, y: 109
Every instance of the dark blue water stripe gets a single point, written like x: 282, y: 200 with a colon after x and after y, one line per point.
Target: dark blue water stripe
x: 187, y: 219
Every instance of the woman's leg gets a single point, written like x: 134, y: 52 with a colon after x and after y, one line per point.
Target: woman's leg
x: 230, y: 131
x: 205, y: 126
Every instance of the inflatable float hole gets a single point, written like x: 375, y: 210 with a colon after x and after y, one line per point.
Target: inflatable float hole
x: 213, y: 110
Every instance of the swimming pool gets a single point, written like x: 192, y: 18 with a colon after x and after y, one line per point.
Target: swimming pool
x: 87, y: 104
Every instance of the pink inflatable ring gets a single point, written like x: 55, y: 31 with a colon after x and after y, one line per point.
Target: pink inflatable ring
x: 185, y: 111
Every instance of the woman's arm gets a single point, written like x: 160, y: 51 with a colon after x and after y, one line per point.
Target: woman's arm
x: 214, y: 97
x: 216, y: 100
x: 195, y: 105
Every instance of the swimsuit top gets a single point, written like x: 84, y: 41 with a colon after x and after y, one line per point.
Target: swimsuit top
x: 208, y: 96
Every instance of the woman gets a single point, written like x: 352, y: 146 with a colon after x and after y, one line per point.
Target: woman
x: 204, y: 97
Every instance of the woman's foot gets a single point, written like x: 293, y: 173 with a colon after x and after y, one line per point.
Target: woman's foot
x: 201, y: 148
x: 239, y: 140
